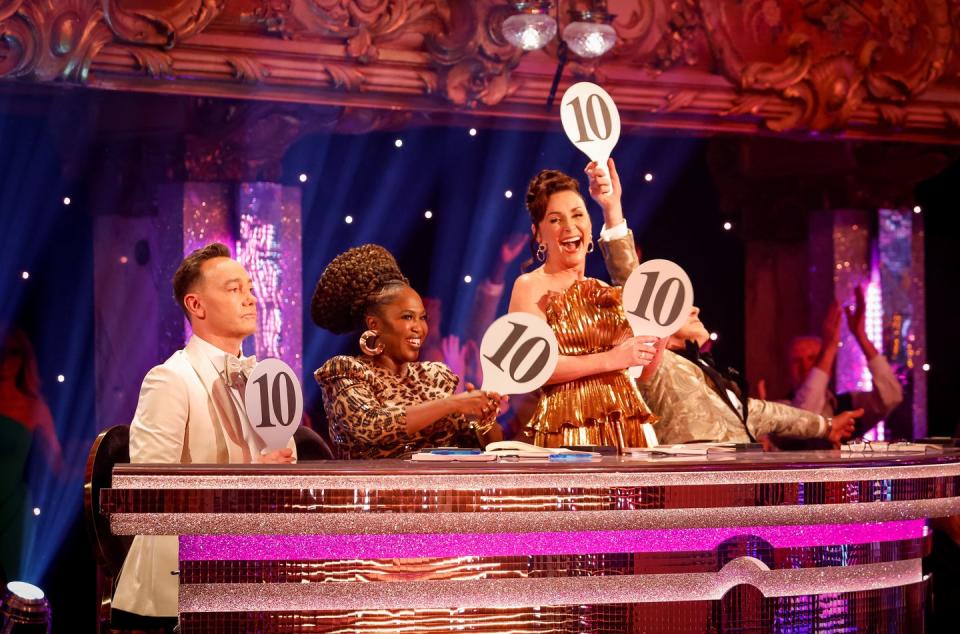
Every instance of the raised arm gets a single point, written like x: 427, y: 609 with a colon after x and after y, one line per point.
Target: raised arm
x: 887, y: 392
x: 812, y: 393
x: 616, y: 240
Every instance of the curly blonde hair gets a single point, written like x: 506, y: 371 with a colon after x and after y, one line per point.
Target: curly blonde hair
x: 353, y: 284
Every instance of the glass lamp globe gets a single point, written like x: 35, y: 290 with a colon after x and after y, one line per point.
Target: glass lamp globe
x: 589, y: 39
x: 529, y: 31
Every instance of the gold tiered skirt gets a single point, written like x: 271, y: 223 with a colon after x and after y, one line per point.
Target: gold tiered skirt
x: 602, y: 409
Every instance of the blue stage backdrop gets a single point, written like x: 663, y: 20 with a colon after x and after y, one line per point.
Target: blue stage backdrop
x: 473, y: 187
x: 374, y: 189
x: 47, y: 291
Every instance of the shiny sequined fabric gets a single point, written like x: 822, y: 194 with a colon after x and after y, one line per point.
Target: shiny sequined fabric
x: 602, y: 409
x: 366, y: 407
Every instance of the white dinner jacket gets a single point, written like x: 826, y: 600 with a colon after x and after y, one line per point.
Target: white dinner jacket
x: 185, y: 415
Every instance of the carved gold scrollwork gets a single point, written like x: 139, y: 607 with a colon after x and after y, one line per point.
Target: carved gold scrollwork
x: 58, y: 39
x: 51, y: 39
x: 660, y: 35
x: 364, y: 25
x: 8, y: 8
x: 247, y: 69
x: 839, y: 54
x: 154, y: 63
x: 161, y: 26
x: 472, y: 59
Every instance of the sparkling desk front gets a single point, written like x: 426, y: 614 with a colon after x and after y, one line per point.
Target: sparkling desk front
x: 801, y: 541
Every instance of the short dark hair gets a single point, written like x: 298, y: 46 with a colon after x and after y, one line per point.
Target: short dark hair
x: 189, y: 271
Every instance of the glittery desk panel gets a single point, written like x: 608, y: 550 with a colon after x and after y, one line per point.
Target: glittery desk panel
x: 609, y: 472
x: 392, y: 497
x: 255, y: 568
x: 742, y: 609
x: 329, y: 547
x: 386, y: 546
x: 590, y: 590
x: 284, y: 572
x: 523, y: 500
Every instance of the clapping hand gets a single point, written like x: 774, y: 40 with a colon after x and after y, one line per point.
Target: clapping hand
x: 498, y: 402
x: 856, y: 314
x: 831, y: 324
x: 454, y: 355
x: 476, y: 403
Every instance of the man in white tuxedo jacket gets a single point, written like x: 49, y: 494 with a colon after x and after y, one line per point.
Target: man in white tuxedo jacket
x: 191, y: 411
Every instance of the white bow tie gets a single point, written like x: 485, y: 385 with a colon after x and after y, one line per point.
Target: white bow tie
x: 235, y: 367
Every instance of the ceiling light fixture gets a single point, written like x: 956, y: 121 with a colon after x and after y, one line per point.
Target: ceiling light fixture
x: 589, y: 34
x: 531, y: 26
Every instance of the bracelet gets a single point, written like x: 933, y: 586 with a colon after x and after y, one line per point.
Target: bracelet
x: 484, y: 427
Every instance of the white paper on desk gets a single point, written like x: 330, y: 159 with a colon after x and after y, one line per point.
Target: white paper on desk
x: 437, y: 457
x: 517, y: 449
x: 711, y: 457
x: 698, y: 449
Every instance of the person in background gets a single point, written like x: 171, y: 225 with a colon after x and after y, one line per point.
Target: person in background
x: 698, y: 401
x: 811, y: 360
x: 462, y: 354
x: 24, y: 418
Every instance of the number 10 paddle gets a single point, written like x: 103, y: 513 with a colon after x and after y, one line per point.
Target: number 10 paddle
x: 518, y: 353
x: 657, y: 299
x: 274, y: 402
x: 591, y: 120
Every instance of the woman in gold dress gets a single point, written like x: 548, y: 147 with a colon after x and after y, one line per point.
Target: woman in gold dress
x: 590, y: 399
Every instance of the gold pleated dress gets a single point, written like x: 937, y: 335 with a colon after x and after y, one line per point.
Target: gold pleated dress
x: 601, y: 409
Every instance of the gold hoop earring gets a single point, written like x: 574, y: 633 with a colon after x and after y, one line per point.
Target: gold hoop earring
x: 590, y: 246
x: 365, y: 343
x: 542, y: 252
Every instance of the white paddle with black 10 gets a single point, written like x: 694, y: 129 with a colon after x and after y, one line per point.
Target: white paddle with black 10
x: 657, y: 299
x: 591, y: 120
x: 518, y: 353
x: 274, y: 401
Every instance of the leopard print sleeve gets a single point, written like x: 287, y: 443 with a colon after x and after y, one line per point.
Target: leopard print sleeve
x: 366, y: 426
x: 442, y: 376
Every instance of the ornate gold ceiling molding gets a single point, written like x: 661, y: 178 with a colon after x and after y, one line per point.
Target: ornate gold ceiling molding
x: 58, y: 40
x: 868, y: 69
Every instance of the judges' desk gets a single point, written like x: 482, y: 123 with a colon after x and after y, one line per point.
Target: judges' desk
x: 799, y: 542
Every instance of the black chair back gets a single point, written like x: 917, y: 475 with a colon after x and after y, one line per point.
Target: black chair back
x: 311, y: 445
x: 111, y: 447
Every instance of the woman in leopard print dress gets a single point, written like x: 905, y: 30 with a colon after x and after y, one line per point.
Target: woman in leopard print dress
x: 385, y: 402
